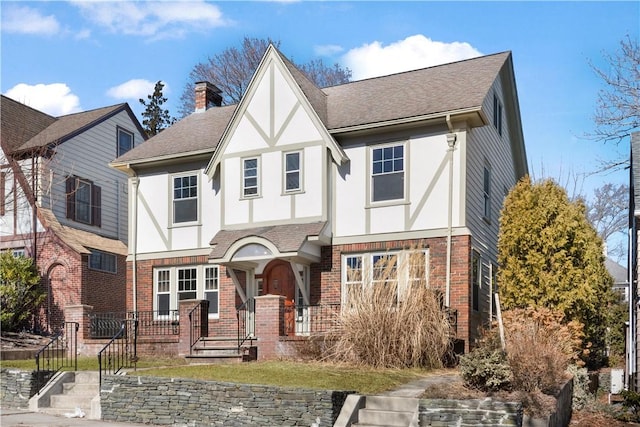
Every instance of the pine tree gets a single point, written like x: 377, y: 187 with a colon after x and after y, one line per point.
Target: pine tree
x: 551, y: 256
x: 156, y: 119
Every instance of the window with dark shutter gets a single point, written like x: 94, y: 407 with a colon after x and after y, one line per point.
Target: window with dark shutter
x: 84, y: 201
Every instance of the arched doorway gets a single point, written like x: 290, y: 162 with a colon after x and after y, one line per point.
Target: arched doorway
x: 278, y: 279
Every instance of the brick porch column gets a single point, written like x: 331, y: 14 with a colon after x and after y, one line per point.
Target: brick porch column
x: 79, y: 313
x: 185, y: 307
x: 269, y: 324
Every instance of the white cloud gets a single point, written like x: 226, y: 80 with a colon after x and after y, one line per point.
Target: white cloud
x: 55, y: 99
x: 414, y: 52
x: 327, y: 50
x: 133, y: 89
x: 26, y: 20
x: 153, y: 19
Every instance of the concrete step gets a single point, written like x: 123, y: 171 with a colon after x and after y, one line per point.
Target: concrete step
x: 377, y: 417
x: 87, y: 377
x: 80, y: 389
x: 387, y: 403
x: 221, y: 358
x: 70, y: 402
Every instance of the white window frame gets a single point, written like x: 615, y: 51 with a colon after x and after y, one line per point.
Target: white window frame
x: 286, y: 172
x: 375, y: 171
x: 212, y: 286
x: 403, y: 274
x: 88, y: 185
x: 173, y: 274
x: 185, y: 198
x: 122, y: 131
x: 245, y: 188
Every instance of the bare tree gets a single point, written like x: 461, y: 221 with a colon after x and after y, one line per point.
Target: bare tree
x: 617, y: 112
x: 231, y: 71
x: 607, y: 212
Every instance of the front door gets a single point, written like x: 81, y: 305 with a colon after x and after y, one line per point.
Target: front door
x: 278, y: 279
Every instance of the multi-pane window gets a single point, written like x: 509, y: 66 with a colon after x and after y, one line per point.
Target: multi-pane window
x: 400, y: 269
x: 353, y: 275
x: 102, y: 261
x: 185, y: 198
x: 18, y: 252
x: 292, y: 171
x: 250, y: 177
x: 187, y: 283
x: 211, y: 290
x: 387, y: 173
x: 163, y: 292
x: 83, y: 201
x: 475, y: 280
x: 174, y: 284
x: 497, y: 113
x: 486, y: 192
x: 125, y: 141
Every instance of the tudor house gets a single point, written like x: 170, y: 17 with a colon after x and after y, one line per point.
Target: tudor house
x: 299, y: 192
x: 61, y: 203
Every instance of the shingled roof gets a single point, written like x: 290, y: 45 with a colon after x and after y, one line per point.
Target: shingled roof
x: 433, y: 91
x: 24, y: 128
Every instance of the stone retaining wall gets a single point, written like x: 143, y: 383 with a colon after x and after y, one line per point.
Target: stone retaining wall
x: 471, y: 412
x: 17, y: 386
x: 153, y: 400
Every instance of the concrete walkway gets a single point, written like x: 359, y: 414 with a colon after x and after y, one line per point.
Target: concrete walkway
x: 24, y: 418
x: 417, y: 387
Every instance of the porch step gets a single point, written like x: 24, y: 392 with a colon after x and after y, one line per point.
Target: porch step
x: 76, y: 395
x: 388, y: 411
x: 216, y: 349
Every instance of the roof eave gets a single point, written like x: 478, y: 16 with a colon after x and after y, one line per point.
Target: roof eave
x: 125, y: 166
x: 474, y: 117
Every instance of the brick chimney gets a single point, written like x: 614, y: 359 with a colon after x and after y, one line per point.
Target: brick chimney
x: 207, y: 95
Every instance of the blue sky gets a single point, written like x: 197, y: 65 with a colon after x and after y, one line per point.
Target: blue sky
x: 63, y: 57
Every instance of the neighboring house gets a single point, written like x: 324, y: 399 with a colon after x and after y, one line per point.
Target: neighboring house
x: 633, y: 336
x: 299, y: 191
x: 620, y: 277
x: 61, y: 203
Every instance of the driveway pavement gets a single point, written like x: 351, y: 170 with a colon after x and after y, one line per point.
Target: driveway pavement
x: 24, y: 418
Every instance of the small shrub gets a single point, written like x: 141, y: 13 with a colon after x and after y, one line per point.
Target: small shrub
x: 631, y: 403
x: 486, y: 368
x: 581, y: 395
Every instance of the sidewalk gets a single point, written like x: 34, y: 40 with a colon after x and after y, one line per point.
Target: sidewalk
x: 24, y: 418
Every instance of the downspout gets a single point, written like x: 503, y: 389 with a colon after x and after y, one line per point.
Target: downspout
x: 134, y: 240
x: 451, y: 142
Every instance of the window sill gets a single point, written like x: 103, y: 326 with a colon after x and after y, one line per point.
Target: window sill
x: 387, y: 203
x: 186, y: 224
x: 292, y: 193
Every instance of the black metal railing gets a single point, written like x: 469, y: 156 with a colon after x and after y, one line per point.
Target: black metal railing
x: 120, y: 352
x: 61, y: 352
x: 311, y: 319
x: 198, y: 323
x: 150, y: 323
x: 246, y: 321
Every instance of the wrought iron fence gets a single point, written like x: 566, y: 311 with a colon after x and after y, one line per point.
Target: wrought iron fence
x: 59, y: 353
x: 150, y: 323
x: 311, y: 319
x: 198, y: 323
x: 245, y: 315
x: 120, y: 352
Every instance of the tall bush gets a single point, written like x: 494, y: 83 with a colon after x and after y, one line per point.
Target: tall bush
x: 388, y: 323
x: 20, y: 293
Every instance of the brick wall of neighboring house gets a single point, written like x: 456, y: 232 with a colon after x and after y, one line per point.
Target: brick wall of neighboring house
x: 105, y: 291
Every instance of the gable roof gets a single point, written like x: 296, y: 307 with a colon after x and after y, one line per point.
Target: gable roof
x: 434, y: 92
x: 19, y: 123
x: 30, y: 129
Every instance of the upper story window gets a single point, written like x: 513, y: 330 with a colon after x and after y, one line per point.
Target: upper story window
x: 486, y: 192
x: 102, y: 261
x: 83, y: 201
x: 387, y: 173
x: 250, y: 177
x: 185, y: 198
x: 292, y: 171
x: 125, y: 141
x: 497, y: 113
